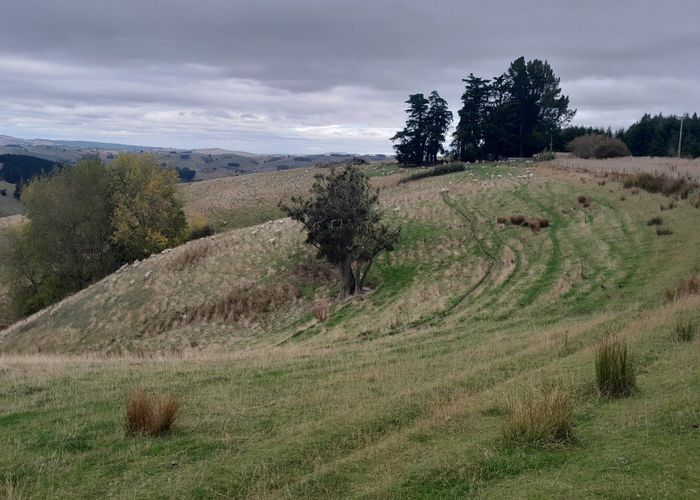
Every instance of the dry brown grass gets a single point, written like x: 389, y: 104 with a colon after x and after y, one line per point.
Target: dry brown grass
x: 189, y: 255
x: 148, y: 414
x: 321, y: 309
x: 251, y: 303
x: 690, y: 286
x: 634, y: 165
x: 540, y: 420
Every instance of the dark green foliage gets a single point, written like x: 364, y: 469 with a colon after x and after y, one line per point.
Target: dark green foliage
x: 344, y: 224
x: 655, y: 221
x: 658, y: 136
x: 66, y: 244
x: 421, y: 140
x: 660, y: 184
x: 447, y: 168
x: 185, y: 174
x: 598, y: 146
x: 200, y: 232
x: 515, y: 114
x: 19, y: 169
x: 614, y: 369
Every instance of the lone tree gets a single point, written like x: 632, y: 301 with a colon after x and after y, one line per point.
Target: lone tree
x: 344, y: 224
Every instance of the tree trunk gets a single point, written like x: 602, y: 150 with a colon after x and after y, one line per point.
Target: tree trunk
x: 348, y: 276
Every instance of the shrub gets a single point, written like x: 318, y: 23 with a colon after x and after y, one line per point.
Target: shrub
x: 584, y: 201
x: 544, y: 222
x: 321, y: 309
x: 685, y: 330
x: 614, y: 369
x: 3, y: 192
x: 690, y: 286
x: 517, y: 220
x: 502, y: 220
x: 544, y: 156
x: 447, y: 168
x: 598, y: 146
x: 147, y: 414
x: 540, y: 420
x: 534, y: 225
x: 662, y: 231
x: 655, y: 221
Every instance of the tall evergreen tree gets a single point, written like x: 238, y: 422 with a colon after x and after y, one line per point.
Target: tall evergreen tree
x: 411, y: 146
x: 468, y: 138
x: 439, y: 120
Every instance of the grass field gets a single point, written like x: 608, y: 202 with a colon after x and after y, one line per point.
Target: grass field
x: 401, y: 393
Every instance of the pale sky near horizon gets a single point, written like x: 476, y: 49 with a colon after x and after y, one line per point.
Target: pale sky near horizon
x: 311, y: 76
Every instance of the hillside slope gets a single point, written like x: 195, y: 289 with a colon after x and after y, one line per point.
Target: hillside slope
x: 399, y: 393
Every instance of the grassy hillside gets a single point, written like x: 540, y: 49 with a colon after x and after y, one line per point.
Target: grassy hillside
x: 400, y: 393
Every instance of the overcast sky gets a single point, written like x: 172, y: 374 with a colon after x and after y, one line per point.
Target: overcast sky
x: 321, y: 75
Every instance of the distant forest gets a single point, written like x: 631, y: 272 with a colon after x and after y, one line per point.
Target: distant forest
x: 18, y: 169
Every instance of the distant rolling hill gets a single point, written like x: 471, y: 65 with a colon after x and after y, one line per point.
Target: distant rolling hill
x: 208, y: 163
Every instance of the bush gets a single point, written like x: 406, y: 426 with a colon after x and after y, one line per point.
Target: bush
x: 685, y: 330
x: 584, y: 201
x: 614, y: 369
x: 146, y: 414
x: 598, y: 146
x: 447, y: 168
x: 541, y: 420
x: 662, y: 231
x: 544, y: 156
x: 655, y: 221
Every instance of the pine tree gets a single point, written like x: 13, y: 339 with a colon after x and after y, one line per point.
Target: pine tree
x: 411, y: 147
x: 438, y: 122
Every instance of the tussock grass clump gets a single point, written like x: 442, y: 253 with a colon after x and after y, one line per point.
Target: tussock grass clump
x: 148, y: 414
x: 583, y: 201
x: 660, y: 184
x: 685, y: 330
x: 517, y: 220
x: 695, y: 201
x: 690, y: 286
x: 655, y: 221
x: 447, y: 168
x: 662, y: 231
x: 614, y: 368
x: 321, y: 309
x: 189, y: 256
x: 540, y: 420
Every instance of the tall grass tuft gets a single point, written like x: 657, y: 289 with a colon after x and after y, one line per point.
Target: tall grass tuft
x: 147, y: 414
x: 685, y: 330
x: 690, y: 286
x: 540, y: 420
x: 614, y: 369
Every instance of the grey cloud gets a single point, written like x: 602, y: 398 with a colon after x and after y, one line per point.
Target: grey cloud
x: 319, y: 74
